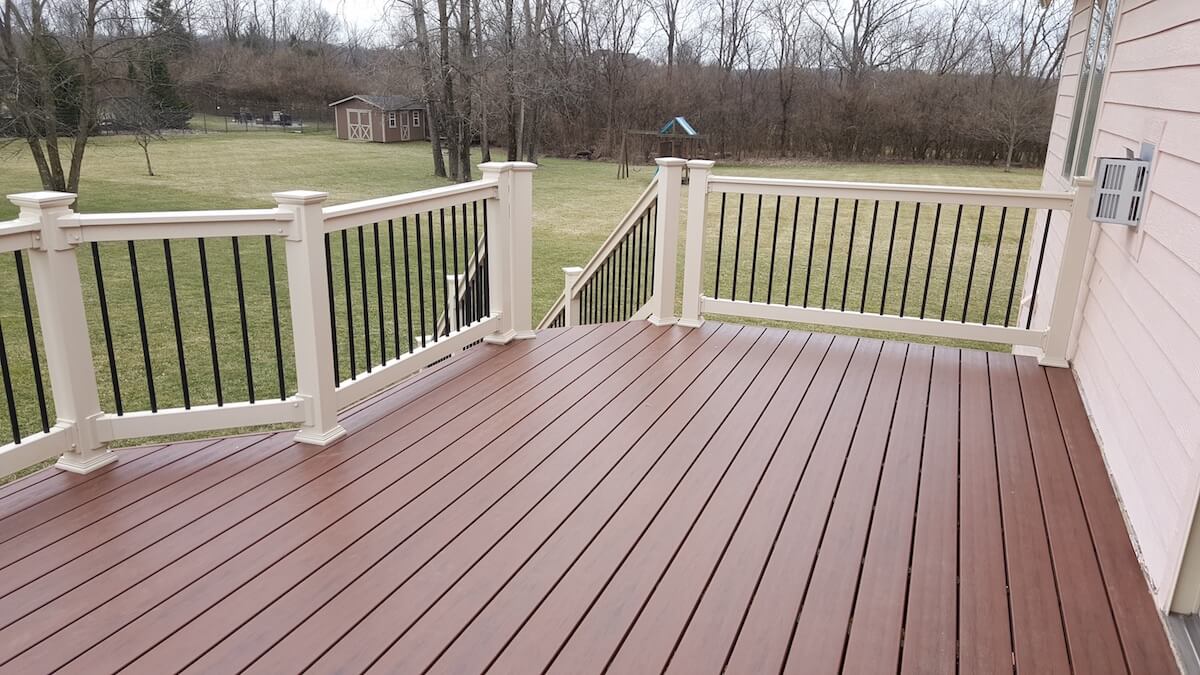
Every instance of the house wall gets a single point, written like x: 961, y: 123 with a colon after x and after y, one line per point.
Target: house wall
x: 1137, y: 356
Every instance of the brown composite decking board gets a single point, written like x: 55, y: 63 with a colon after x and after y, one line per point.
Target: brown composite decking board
x: 267, y: 536
x: 620, y: 497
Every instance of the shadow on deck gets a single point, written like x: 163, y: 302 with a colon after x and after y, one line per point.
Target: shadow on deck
x: 624, y: 496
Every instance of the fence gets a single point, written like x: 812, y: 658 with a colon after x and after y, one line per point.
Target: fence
x: 220, y: 319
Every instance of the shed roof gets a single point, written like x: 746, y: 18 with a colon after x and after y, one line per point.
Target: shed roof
x: 384, y: 102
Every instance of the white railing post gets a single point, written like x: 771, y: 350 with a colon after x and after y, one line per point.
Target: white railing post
x: 666, y: 248
x: 693, y: 256
x: 65, y: 335
x: 510, y: 248
x: 1068, y: 290
x: 312, y: 331
x: 570, y: 301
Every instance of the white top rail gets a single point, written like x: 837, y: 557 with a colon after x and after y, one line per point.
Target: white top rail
x: 377, y: 210
x: 17, y: 235
x: 102, y: 227
x: 970, y: 196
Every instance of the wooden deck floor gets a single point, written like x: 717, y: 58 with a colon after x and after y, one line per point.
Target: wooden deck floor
x: 620, y: 496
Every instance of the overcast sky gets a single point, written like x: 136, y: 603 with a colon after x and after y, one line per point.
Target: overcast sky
x: 359, y: 13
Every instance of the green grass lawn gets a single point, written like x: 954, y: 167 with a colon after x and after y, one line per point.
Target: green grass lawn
x: 576, y: 203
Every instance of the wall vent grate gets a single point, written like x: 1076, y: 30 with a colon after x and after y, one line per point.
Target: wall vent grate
x: 1120, y: 190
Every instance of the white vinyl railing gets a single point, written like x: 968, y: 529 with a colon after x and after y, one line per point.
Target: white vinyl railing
x: 50, y: 234
x: 995, y: 273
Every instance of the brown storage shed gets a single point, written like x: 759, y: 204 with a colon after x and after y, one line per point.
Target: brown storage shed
x: 381, y: 119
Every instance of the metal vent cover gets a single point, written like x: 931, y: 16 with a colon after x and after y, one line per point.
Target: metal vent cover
x: 1120, y: 190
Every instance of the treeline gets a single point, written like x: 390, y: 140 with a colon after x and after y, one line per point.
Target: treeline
x: 944, y: 80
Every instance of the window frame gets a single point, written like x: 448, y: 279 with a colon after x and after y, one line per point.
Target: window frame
x: 392, y: 119
x: 416, y: 118
x: 1093, y: 71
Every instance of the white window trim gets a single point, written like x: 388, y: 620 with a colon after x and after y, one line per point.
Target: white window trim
x: 416, y: 118
x: 1084, y: 142
x: 392, y: 120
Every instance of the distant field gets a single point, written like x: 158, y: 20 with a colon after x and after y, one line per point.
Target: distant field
x: 577, y: 203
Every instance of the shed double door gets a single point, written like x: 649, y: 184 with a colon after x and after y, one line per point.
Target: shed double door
x: 359, y: 125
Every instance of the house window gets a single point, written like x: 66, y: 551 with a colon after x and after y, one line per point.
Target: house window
x: 1087, y: 93
x: 416, y: 119
x: 391, y: 120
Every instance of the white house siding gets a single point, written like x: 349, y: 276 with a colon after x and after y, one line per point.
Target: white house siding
x: 1138, y: 353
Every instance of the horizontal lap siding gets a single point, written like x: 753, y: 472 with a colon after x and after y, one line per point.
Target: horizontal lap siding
x: 1140, y: 333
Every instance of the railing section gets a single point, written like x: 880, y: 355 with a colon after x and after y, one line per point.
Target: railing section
x: 142, y: 324
x: 957, y: 263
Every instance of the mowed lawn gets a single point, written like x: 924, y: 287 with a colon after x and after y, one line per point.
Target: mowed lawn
x: 577, y: 203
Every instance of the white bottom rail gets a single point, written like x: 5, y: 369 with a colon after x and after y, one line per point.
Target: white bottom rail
x: 34, y: 448
x: 200, y: 418
x: 892, y: 324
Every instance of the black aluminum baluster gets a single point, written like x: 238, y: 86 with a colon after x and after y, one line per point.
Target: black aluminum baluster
x: 774, y: 243
x: 9, y: 399
x: 787, y: 294
x: 974, y: 257
x: 241, y: 297
x: 720, y: 245
x: 1037, y: 275
x: 862, y: 305
x: 337, y: 362
x: 445, y: 270
x: 213, y: 353
x: 887, y: 269
x: 912, y: 245
x: 145, y: 337
x: 420, y: 273
x: 850, y: 254
x: 812, y: 240
x: 366, y: 308
x: 433, y: 281
x: 950, y: 268
x: 754, y: 251
x: 395, y: 299
x: 106, y: 323
x: 470, y: 315
x: 458, y: 299
x: 379, y: 297
x: 1012, y: 289
x: 987, y: 305
x: 349, y: 304
x: 937, y: 216
x: 829, y: 255
x: 279, y: 370
x: 408, y: 286
x: 487, y: 278
x: 737, y: 247
x: 31, y: 337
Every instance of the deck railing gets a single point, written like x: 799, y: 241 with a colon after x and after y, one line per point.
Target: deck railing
x: 629, y: 271
x: 193, y: 312
x: 949, y: 262
x: 957, y: 263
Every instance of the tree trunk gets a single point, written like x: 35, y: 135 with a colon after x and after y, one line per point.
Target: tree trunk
x: 431, y: 112
x: 485, y: 149
x: 449, y: 111
x: 510, y: 82
x: 464, y: 68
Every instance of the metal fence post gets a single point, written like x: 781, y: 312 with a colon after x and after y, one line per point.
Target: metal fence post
x: 65, y: 335
x: 312, y: 330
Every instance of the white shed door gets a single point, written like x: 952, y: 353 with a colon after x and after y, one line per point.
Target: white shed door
x: 359, y: 125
